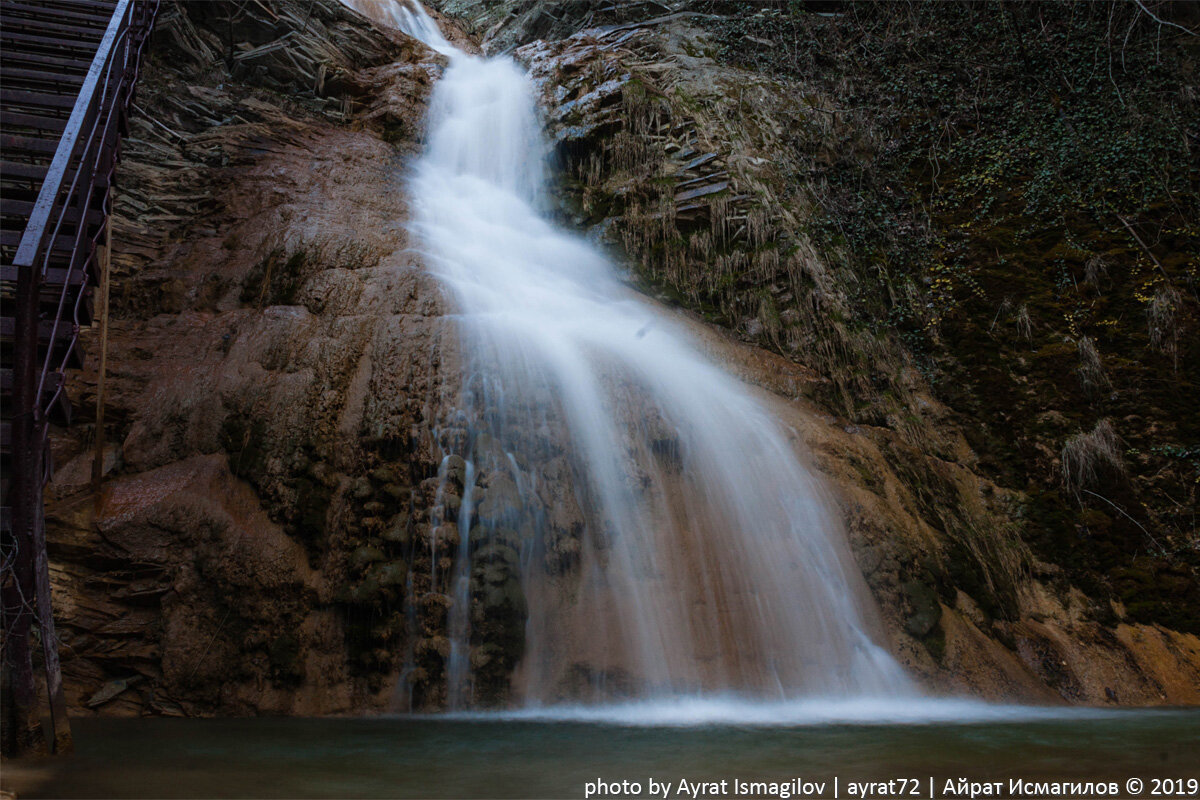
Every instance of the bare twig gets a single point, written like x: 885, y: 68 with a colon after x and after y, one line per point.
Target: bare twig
x: 1108, y: 55
x: 1150, y: 14
x: 1150, y: 536
x: 1142, y: 244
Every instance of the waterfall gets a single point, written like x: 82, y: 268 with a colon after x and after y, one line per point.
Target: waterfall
x: 703, y: 556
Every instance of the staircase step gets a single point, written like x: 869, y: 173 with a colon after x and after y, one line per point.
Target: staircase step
x: 71, y: 30
x: 15, y: 39
x: 23, y: 208
x: 78, y: 14
x: 29, y: 99
x: 105, y: 7
x: 50, y: 296
x: 53, y: 381
x: 16, y: 143
x: 11, y: 75
x: 64, y: 336
x: 63, y: 332
x: 60, y: 411
x: 52, y: 277
x: 42, y: 122
x: 14, y: 57
x: 63, y: 243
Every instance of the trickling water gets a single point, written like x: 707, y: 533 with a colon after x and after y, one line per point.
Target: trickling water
x: 707, y: 559
x: 459, y: 663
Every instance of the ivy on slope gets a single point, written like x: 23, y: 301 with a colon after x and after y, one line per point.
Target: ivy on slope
x: 1017, y: 185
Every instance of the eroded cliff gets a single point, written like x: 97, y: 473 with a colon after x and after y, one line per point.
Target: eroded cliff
x: 275, y: 531
x: 274, y: 378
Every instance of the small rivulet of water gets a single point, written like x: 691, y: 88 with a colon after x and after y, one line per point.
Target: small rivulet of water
x: 667, y: 538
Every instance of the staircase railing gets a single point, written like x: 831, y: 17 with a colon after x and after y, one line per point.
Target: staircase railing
x: 74, y: 196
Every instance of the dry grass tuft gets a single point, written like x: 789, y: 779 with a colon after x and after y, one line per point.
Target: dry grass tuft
x: 1163, y: 318
x: 1095, y: 269
x: 1085, y: 455
x: 1024, y: 323
x: 1091, y: 369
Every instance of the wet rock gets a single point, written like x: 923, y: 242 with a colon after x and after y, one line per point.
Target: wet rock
x: 507, y: 595
x: 926, y: 610
x: 501, y: 501
x: 385, y: 475
x: 364, y: 592
x: 438, y: 646
x: 111, y: 689
x: 397, y: 531
x: 456, y: 470
x: 486, y: 655
x: 491, y: 574
x: 869, y: 559
x: 397, y: 492
x: 391, y: 573
x: 366, y: 555
x: 496, y: 551
x: 445, y: 536
x: 283, y: 655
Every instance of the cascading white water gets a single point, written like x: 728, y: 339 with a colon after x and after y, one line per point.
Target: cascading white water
x: 710, y: 561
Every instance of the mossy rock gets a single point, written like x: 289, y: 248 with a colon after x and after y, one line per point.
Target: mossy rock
x: 927, y: 611
x: 366, y: 555
x: 501, y: 502
x: 361, y: 593
x: 485, y: 575
x: 396, y: 531
x: 935, y: 643
x: 507, y: 596
x: 390, y: 573
x: 456, y: 470
x: 496, y: 552
x: 386, y: 474
x: 397, y: 492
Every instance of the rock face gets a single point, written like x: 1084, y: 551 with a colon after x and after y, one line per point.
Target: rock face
x: 283, y: 473
x: 274, y: 384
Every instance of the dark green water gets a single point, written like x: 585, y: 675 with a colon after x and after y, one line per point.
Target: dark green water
x: 513, y: 757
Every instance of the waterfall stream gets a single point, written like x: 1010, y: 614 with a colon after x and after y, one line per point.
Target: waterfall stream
x: 709, y: 559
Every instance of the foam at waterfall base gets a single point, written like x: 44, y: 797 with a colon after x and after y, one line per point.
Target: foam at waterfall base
x: 730, y: 710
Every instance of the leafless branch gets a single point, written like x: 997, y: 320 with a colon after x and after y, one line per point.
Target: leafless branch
x: 1150, y: 14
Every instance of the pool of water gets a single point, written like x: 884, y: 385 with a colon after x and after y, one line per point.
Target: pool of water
x: 557, y: 754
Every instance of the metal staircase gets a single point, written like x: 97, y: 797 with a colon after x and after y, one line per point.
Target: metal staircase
x: 67, y: 73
